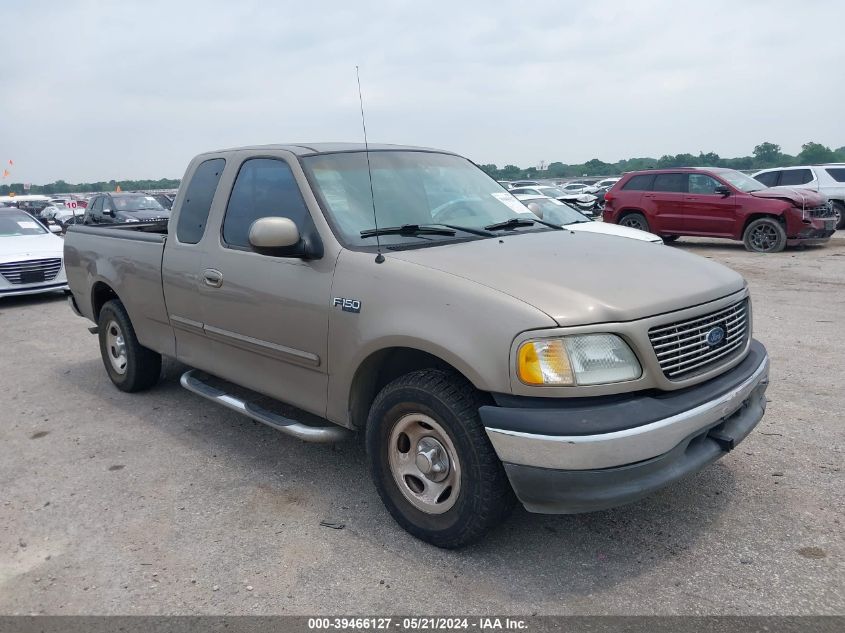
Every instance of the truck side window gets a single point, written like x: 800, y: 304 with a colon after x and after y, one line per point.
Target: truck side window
x: 193, y: 213
x: 264, y: 187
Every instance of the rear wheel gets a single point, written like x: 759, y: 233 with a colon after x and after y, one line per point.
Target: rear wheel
x: 431, y: 460
x: 839, y: 213
x: 130, y: 365
x: 765, y: 235
x: 635, y: 221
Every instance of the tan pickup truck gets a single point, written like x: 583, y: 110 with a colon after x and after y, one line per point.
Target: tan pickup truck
x: 401, y: 293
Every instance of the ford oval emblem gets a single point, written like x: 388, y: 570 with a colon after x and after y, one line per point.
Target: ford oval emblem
x: 715, y: 336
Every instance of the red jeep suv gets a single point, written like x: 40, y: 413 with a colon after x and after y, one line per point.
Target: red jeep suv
x: 715, y: 202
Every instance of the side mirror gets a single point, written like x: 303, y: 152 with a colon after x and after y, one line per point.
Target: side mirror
x: 723, y: 191
x: 108, y: 212
x: 55, y: 228
x: 270, y: 234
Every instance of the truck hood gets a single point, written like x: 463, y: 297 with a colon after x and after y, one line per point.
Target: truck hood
x: 582, y: 278
x: 796, y: 195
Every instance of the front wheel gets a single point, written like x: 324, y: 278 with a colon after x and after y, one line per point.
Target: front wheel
x: 764, y: 235
x: 839, y: 214
x: 130, y: 365
x: 432, y: 463
x: 635, y: 221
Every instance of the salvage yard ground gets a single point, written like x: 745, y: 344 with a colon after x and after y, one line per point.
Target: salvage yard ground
x: 163, y: 503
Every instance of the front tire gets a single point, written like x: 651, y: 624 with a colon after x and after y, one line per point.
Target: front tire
x: 130, y: 365
x: 432, y: 463
x: 635, y: 221
x: 764, y: 235
x: 839, y: 210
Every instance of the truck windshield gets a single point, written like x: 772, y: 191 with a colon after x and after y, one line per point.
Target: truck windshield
x: 409, y: 188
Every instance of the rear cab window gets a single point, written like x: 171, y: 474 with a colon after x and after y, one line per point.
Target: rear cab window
x: 193, y: 214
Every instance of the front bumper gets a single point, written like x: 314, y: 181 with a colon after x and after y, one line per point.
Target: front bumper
x: 811, y: 237
x: 18, y: 291
x: 637, y: 452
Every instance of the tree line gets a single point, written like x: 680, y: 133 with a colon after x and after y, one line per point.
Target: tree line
x: 765, y: 155
x: 60, y: 186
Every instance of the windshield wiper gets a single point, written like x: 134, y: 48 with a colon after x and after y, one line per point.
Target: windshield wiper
x: 512, y: 223
x: 408, y: 229
x: 466, y: 229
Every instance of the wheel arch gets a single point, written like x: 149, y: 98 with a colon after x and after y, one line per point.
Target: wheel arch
x: 101, y: 292
x: 761, y: 214
x: 382, y: 367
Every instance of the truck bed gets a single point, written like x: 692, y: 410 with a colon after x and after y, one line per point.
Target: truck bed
x: 125, y: 261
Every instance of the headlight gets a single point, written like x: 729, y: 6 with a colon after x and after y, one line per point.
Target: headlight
x: 588, y: 359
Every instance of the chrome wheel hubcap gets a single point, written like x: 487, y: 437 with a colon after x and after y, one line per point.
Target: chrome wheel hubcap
x: 424, y: 463
x: 116, y: 347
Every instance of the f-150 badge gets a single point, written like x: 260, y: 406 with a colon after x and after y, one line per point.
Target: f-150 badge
x: 347, y: 305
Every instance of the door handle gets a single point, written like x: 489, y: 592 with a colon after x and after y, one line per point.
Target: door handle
x: 212, y: 277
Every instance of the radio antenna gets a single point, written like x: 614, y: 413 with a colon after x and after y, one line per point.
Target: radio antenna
x: 379, y: 256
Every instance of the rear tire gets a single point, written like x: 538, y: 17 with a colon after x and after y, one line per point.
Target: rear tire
x: 839, y: 210
x: 432, y: 463
x: 635, y: 221
x: 764, y: 235
x: 130, y: 365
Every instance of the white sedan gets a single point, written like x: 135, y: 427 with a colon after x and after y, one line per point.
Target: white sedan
x: 557, y: 212
x: 31, y: 257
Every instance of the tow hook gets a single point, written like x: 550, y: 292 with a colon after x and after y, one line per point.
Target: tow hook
x: 725, y: 442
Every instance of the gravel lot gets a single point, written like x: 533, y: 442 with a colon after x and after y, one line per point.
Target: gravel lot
x: 162, y: 503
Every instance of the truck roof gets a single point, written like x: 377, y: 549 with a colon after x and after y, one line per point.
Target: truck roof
x: 310, y: 149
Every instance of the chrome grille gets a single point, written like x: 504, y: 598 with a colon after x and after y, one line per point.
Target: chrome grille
x: 823, y: 211
x: 682, y: 347
x: 31, y: 271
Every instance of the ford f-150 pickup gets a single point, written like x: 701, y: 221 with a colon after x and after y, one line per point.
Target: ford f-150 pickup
x: 401, y: 293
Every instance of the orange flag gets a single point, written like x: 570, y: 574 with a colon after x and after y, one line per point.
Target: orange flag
x: 5, y: 173
x: 117, y: 189
x: 11, y: 162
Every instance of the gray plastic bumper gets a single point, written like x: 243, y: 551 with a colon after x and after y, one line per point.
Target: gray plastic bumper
x: 581, y: 473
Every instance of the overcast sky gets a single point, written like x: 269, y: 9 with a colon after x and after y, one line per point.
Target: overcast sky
x: 96, y: 91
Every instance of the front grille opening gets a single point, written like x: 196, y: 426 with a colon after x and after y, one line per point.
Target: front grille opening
x: 691, y: 346
x: 31, y: 271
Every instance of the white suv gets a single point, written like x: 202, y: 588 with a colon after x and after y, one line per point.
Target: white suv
x: 826, y: 179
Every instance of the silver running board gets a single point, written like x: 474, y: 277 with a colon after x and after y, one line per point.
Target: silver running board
x: 305, y: 432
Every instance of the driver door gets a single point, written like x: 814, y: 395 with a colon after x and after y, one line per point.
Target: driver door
x: 266, y: 317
